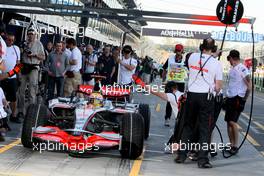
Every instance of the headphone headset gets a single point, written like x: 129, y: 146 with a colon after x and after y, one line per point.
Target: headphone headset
x: 208, y: 44
x: 127, y: 47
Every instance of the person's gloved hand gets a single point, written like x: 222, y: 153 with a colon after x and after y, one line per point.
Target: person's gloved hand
x: 138, y: 81
x: 15, y: 70
x: 181, y: 100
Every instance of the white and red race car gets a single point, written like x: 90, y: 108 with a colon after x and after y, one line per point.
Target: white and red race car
x: 95, y: 121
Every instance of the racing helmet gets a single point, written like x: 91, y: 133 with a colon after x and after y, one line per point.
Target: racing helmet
x: 96, y: 99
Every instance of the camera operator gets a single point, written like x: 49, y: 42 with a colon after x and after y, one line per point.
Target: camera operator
x: 238, y: 90
x: 205, y: 77
x: 32, y: 56
x: 174, y: 70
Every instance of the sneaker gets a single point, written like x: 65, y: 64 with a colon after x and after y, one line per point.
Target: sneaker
x: 5, y: 124
x: 167, y: 122
x: 193, y: 155
x: 233, y: 150
x: 180, y: 159
x: 213, y: 151
x: 205, y: 165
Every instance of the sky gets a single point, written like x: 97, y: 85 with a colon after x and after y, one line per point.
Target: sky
x: 252, y: 8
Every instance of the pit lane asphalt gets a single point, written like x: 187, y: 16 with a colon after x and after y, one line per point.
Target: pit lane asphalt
x: 18, y: 161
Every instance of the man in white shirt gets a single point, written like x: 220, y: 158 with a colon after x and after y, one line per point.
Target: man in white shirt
x: 173, y: 98
x: 73, y: 75
x: 9, y: 85
x: 66, y: 50
x: 205, y: 77
x: 238, y: 90
x: 127, y: 66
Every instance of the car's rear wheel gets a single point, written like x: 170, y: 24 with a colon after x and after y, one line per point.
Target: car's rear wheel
x: 36, y: 115
x: 132, y: 132
x: 144, y: 110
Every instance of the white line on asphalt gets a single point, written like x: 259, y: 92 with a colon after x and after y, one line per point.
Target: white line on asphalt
x: 158, y: 135
x: 261, y: 99
x: 19, y: 145
x: 251, y: 140
x: 102, y: 153
x: 262, y: 153
x: 154, y: 151
x: 246, y: 123
x: 256, y: 123
x: 153, y: 160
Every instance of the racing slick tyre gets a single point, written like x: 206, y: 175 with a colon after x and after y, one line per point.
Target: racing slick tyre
x: 144, y: 110
x: 132, y: 132
x: 34, y: 112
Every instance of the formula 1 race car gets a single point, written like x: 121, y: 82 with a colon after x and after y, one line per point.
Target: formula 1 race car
x: 87, y: 121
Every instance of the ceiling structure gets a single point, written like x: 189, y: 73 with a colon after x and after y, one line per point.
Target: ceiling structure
x: 123, y: 16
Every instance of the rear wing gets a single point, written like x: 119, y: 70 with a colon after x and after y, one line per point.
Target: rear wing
x: 107, y: 91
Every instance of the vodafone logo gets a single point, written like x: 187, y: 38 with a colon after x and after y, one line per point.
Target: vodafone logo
x: 229, y: 10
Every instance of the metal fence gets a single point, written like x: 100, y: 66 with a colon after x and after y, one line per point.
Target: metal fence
x: 259, y: 83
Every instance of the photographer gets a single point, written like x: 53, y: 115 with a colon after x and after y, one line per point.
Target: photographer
x: 32, y: 55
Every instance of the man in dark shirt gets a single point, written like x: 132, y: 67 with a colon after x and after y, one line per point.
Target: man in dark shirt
x: 58, y: 63
x: 106, y: 66
x: 116, y: 56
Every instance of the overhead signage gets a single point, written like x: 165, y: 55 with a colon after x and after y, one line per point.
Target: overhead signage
x: 232, y: 36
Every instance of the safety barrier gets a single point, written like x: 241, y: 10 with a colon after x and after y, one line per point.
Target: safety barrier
x: 259, y: 83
